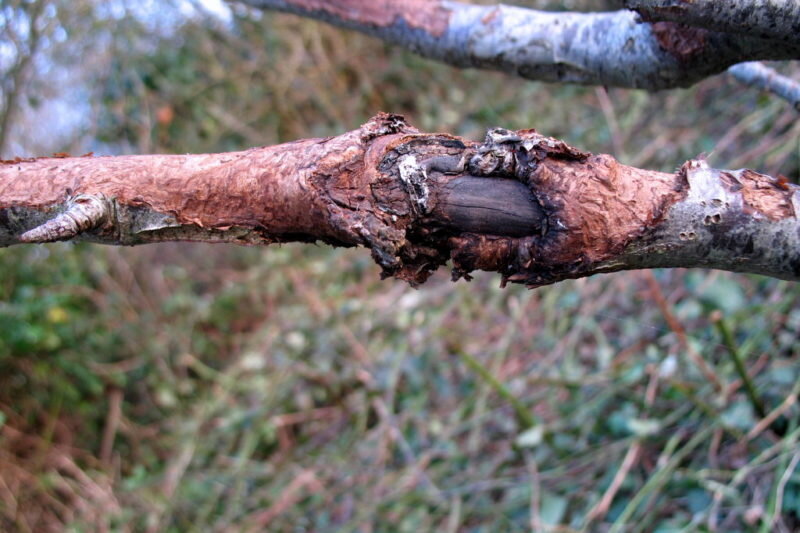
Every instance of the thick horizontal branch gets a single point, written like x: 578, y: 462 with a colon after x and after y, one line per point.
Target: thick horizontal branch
x: 613, y: 49
x: 778, y: 20
x: 530, y: 207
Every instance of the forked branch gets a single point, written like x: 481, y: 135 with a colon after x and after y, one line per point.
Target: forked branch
x: 530, y: 207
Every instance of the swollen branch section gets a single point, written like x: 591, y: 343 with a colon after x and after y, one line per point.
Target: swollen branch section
x: 527, y: 206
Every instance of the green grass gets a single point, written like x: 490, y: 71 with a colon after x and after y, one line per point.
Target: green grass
x: 288, y: 389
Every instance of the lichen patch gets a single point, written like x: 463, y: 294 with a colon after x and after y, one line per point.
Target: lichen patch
x: 416, y: 181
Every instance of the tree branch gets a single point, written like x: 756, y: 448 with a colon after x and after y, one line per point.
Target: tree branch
x: 17, y: 74
x: 527, y: 206
x: 762, y: 77
x: 778, y: 20
x: 613, y: 49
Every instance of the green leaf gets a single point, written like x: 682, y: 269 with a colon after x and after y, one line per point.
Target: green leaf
x: 552, y: 509
x: 724, y: 294
x: 739, y: 415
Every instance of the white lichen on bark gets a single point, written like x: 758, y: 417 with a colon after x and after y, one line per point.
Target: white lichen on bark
x: 415, y: 179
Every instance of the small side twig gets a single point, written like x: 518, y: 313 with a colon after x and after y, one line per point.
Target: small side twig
x: 759, y: 75
x: 84, y: 212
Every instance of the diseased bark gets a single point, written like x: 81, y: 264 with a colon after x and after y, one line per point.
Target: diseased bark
x: 530, y: 207
x: 613, y: 49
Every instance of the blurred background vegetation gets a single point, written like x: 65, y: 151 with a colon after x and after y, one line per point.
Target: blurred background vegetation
x: 191, y: 387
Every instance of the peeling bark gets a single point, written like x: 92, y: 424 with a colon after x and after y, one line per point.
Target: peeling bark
x: 528, y: 206
x: 612, y: 49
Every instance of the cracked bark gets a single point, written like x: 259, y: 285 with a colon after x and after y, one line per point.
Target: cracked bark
x: 613, y: 49
x: 528, y: 206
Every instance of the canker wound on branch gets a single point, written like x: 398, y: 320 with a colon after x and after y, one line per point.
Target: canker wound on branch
x: 530, y: 207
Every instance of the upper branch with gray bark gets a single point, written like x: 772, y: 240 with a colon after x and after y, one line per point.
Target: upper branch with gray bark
x: 614, y: 49
x: 777, y: 20
x: 530, y: 207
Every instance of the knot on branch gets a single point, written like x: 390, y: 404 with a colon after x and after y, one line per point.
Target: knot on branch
x: 474, y: 204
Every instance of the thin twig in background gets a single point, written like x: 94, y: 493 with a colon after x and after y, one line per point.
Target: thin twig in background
x: 602, y: 507
x: 773, y: 415
x: 525, y: 418
x: 733, y: 350
x: 780, y: 490
x: 680, y: 331
x: 115, y: 396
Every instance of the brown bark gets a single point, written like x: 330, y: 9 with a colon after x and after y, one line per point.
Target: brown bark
x: 528, y: 206
x: 431, y: 17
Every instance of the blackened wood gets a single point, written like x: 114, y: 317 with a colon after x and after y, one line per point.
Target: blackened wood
x: 490, y: 206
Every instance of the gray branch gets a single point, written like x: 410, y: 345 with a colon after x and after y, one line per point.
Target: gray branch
x: 761, y: 76
x: 769, y: 19
x: 716, y: 223
x: 613, y: 48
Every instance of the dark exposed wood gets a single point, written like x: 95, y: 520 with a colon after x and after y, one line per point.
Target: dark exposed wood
x: 491, y: 206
